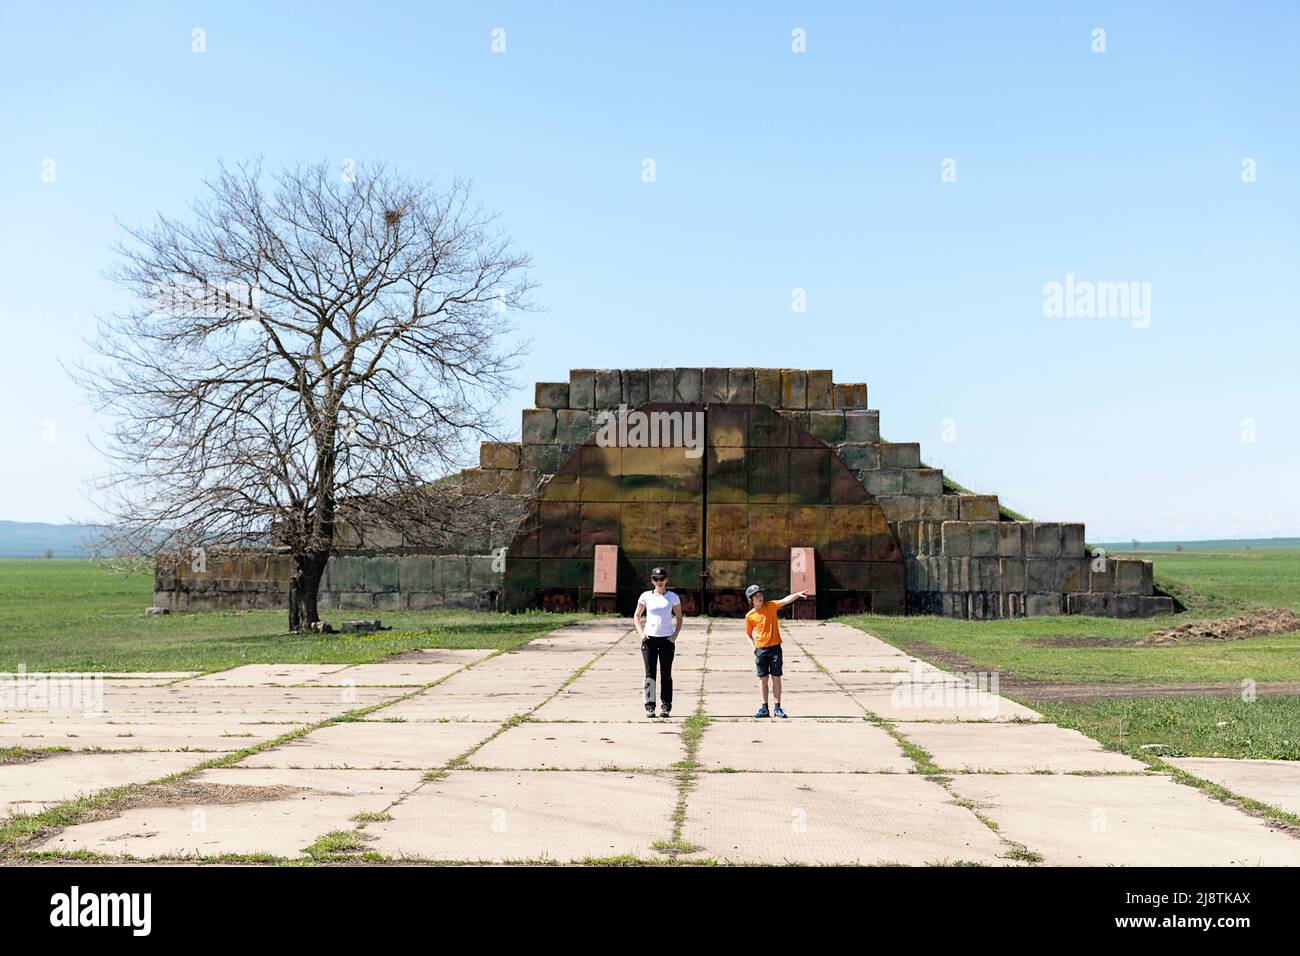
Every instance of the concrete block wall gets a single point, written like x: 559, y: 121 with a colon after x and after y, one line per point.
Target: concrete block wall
x: 359, y: 580
x: 409, y: 582
x: 234, y: 580
x: 963, y: 559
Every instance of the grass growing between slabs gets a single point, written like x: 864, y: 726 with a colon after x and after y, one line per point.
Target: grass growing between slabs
x: 78, y: 615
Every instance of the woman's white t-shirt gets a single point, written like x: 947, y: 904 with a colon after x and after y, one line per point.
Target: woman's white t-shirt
x: 659, y: 613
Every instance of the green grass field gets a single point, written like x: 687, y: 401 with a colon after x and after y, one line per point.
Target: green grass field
x: 1048, y: 648
x: 1267, y: 728
x: 76, y: 615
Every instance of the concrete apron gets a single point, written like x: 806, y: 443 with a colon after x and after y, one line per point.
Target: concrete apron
x: 587, y: 775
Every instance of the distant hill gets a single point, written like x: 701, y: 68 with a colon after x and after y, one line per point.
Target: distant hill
x: 31, y: 539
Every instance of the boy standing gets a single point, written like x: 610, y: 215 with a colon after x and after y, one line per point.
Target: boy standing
x: 765, y: 635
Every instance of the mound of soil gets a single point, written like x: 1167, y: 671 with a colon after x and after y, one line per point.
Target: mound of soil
x: 1237, y: 628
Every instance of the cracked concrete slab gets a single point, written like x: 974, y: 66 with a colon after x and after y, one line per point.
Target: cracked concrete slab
x: 501, y: 816
x: 832, y: 818
x: 585, y: 746
x: 151, y: 738
x: 1275, y: 782
x: 627, y: 705
x: 1124, y: 821
x: 801, y: 746
x: 476, y: 682
x: 432, y: 706
x: 29, y: 787
x: 285, y: 812
x: 402, y: 674
x: 1014, y: 748
x: 939, y: 700
x: 265, y: 675
x: 374, y: 744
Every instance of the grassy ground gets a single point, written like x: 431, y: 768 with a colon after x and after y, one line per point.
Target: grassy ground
x: 1211, y: 584
x: 1268, y: 727
x: 75, y: 615
x: 1041, y: 649
x: 1047, y: 648
x: 1256, y: 578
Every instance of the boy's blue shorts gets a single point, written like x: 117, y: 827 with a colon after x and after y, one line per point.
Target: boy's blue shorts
x: 767, y: 660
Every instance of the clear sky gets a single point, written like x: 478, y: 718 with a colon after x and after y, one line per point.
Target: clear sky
x: 775, y: 171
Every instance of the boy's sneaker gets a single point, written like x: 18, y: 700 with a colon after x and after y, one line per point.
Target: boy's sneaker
x: 650, y: 712
x: 762, y: 712
x: 665, y: 711
x: 779, y: 712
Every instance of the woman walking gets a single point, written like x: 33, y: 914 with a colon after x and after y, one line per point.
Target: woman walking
x: 658, y: 620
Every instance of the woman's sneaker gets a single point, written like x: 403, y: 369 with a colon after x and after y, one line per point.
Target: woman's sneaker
x: 762, y: 712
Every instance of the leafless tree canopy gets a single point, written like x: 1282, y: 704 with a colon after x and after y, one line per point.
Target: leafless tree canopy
x: 304, y: 342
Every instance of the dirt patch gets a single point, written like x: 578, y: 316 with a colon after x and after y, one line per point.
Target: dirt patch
x: 1084, y: 641
x: 1236, y: 628
x: 414, y: 654
x: 1031, y: 691
x: 26, y: 756
x: 943, y: 657
x: 187, y: 793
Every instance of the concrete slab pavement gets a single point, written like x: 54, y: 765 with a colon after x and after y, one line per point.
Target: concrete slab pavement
x: 833, y: 818
x: 241, y: 811
x: 561, y: 764
x: 1275, y: 782
x: 649, y: 745
x: 802, y: 746
x: 1014, y: 748
x: 502, y: 816
x: 32, y: 786
x: 1124, y: 821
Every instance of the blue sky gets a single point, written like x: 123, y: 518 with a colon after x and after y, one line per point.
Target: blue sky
x: 775, y: 170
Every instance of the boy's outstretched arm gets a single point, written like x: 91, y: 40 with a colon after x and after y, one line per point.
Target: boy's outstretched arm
x: 791, y: 597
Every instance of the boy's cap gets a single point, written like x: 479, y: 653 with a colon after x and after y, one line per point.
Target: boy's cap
x: 752, y: 590
x: 658, y: 572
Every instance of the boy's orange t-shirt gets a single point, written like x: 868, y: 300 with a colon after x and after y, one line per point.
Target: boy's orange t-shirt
x: 760, y: 624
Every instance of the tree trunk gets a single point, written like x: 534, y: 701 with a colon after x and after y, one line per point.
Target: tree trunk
x: 304, y: 585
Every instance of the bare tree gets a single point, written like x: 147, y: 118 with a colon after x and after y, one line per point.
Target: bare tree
x: 310, y: 351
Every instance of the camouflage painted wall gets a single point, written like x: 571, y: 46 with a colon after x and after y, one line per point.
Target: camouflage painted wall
x: 736, y: 504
